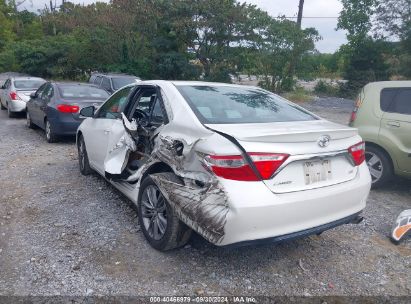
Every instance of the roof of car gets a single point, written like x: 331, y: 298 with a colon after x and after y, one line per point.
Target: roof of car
x: 73, y: 83
x: 113, y: 75
x: 390, y: 84
x: 26, y: 78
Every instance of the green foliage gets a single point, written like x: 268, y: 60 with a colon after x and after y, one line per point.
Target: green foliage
x: 324, y: 88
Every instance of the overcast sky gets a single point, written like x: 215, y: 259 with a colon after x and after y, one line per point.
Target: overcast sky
x: 313, y: 8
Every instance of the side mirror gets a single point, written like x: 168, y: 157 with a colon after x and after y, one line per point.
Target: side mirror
x: 87, y: 111
x: 33, y: 95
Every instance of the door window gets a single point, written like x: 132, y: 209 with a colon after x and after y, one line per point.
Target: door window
x: 106, y: 84
x: 116, y: 104
x: 396, y: 100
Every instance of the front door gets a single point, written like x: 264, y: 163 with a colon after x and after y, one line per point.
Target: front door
x: 396, y: 125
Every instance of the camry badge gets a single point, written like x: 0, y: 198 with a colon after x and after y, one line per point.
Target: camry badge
x: 324, y: 141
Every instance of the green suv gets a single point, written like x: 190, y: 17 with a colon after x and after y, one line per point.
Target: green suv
x: 382, y: 114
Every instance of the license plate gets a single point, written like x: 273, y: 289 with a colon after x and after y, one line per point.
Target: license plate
x: 317, y: 171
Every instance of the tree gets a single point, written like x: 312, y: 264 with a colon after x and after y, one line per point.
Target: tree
x: 364, y: 55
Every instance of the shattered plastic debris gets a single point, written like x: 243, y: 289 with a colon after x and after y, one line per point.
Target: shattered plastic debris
x: 402, y: 226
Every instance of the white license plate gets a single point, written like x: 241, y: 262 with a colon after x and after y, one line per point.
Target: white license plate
x: 317, y: 171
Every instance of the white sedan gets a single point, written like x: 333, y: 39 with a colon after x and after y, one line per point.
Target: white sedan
x: 236, y: 164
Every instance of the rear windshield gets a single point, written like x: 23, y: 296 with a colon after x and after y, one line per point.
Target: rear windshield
x: 122, y: 81
x: 28, y: 84
x: 230, y: 105
x: 82, y: 91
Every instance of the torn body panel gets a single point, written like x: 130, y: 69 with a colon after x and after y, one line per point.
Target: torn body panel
x: 196, y: 195
x: 204, y: 209
x: 125, y: 142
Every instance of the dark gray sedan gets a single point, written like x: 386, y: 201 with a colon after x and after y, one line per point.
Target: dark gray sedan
x: 55, y: 107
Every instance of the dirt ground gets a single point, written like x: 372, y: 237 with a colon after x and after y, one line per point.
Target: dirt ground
x: 65, y: 234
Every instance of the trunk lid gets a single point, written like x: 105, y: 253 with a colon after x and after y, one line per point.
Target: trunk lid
x: 311, y: 164
x: 24, y: 94
x: 82, y: 103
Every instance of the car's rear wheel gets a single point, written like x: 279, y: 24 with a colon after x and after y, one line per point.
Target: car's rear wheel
x: 10, y: 113
x: 29, y: 123
x: 158, y: 221
x: 379, y: 165
x: 1, y: 106
x: 84, y: 164
x: 51, y: 137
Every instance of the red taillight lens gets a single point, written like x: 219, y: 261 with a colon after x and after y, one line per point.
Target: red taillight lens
x: 14, y: 96
x: 235, y: 167
x: 358, y: 153
x: 353, y: 116
x: 66, y: 108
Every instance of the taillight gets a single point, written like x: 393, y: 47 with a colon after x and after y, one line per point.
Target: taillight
x: 235, y: 167
x: 357, y: 105
x: 14, y: 96
x: 67, y: 108
x: 358, y: 153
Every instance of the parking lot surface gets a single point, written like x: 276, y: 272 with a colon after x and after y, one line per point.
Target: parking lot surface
x: 63, y: 233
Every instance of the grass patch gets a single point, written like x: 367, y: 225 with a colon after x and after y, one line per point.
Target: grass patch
x: 299, y: 95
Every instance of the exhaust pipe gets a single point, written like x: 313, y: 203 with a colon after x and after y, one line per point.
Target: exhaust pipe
x: 356, y: 220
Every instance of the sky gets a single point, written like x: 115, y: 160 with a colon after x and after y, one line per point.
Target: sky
x: 331, y: 39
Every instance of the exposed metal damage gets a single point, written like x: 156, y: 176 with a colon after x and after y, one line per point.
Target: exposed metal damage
x: 196, y: 195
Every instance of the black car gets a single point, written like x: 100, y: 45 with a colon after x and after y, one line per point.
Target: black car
x: 55, y: 107
x: 113, y: 81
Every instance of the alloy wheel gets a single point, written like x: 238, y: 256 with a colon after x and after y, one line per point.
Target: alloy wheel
x: 28, y: 120
x: 375, y: 166
x: 81, y: 154
x: 154, y: 212
x: 48, y: 130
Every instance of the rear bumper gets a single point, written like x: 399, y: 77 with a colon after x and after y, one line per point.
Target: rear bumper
x: 17, y: 106
x: 258, y: 215
x: 64, y: 125
x: 352, y: 219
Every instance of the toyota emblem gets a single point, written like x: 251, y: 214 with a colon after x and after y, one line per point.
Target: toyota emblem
x: 324, y: 141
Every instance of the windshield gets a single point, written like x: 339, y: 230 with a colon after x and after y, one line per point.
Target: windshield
x: 122, y: 81
x: 230, y: 105
x: 82, y: 91
x: 31, y: 84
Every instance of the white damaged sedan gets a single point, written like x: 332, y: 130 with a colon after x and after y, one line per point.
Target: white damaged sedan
x: 236, y: 164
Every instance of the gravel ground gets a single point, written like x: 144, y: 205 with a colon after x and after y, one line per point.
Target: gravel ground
x: 65, y: 234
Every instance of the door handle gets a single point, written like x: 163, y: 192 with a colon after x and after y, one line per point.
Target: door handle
x: 106, y: 131
x: 394, y: 124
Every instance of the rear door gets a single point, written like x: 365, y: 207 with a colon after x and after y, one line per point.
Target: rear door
x: 97, y: 135
x: 396, y: 125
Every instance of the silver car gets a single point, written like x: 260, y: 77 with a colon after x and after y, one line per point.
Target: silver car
x: 236, y: 164
x: 16, y: 92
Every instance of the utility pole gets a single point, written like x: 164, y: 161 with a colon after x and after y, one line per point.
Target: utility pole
x: 294, y: 59
x: 300, y: 13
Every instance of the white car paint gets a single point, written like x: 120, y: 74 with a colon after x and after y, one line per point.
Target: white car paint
x: 252, y: 210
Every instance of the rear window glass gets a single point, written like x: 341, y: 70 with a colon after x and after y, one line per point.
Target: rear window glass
x: 396, y: 100
x: 119, y: 82
x: 28, y: 84
x: 82, y: 91
x: 230, y: 105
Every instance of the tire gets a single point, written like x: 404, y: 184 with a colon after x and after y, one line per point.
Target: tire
x: 1, y: 106
x: 380, y: 166
x: 29, y: 123
x: 10, y: 113
x: 51, y: 137
x: 155, y: 213
x: 84, y: 164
